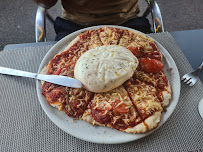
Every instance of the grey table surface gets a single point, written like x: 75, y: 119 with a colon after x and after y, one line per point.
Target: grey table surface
x: 35, y: 132
x: 189, y: 41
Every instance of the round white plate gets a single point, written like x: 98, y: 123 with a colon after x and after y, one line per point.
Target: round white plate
x: 98, y: 134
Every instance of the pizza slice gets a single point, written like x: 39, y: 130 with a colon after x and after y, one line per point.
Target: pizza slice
x: 110, y: 35
x: 56, y: 95
x: 73, y: 101
x: 127, y: 38
x: 77, y: 102
x: 114, y: 109
x: 140, y: 45
x: 146, y: 101
x: 160, y: 82
x: 90, y: 39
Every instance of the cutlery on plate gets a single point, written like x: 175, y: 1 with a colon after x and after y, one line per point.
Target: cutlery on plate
x: 56, y: 79
x: 191, y: 78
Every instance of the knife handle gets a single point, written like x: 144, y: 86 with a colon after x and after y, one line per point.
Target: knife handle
x: 15, y: 72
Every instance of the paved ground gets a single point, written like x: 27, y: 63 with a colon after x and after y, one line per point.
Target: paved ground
x: 17, y: 18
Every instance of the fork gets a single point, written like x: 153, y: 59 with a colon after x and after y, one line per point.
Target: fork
x: 191, y: 78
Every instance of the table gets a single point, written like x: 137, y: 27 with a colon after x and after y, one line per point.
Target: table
x: 29, y: 129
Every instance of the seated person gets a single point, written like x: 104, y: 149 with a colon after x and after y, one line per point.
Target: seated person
x: 77, y: 14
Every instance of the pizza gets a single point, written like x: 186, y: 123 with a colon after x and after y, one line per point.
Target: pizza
x: 135, y: 106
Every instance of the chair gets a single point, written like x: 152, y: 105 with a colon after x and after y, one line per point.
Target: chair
x: 42, y: 14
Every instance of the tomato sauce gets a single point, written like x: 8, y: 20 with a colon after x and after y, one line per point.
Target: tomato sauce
x: 101, y: 116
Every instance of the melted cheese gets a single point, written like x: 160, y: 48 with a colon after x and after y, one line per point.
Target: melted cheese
x: 144, y: 96
x: 104, y: 68
x: 109, y: 36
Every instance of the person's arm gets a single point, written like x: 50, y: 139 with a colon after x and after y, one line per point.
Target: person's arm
x: 46, y: 3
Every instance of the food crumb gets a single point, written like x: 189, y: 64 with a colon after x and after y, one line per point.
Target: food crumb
x: 170, y: 69
x: 164, y: 110
x: 74, y: 120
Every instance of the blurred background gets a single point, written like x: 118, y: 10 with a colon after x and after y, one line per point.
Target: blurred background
x: 17, y: 18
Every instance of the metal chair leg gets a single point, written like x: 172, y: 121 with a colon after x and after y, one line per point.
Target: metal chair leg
x: 40, y: 25
x: 156, y: 17
x: 153, y: 7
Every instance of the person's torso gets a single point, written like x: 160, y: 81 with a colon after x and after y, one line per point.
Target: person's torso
x: 95, y: 12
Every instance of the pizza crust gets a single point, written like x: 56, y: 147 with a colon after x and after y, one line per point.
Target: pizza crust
x: 88, y: 117
x: 153, y: 121
x: 140, y: 128
x: 166, y: 96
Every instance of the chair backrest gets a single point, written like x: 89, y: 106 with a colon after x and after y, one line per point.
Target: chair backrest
x: 42, y: 14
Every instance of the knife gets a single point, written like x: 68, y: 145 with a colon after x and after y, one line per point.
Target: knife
x: 56, y: 79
